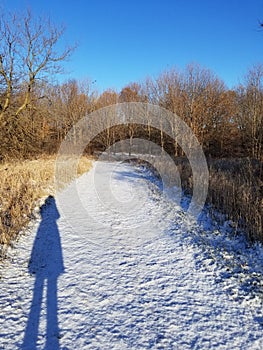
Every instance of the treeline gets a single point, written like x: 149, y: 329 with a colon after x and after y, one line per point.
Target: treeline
x: 226, y: 122
x: 36, y: 113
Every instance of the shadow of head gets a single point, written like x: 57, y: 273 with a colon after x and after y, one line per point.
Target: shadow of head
x: 49, y: 209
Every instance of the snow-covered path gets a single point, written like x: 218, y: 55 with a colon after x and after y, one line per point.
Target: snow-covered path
x: 118, y: 272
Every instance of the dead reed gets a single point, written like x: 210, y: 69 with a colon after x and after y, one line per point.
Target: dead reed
x: 23, y: 185
x: 235, y: 190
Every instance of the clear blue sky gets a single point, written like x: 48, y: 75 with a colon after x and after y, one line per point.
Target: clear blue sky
x: 124, y: 41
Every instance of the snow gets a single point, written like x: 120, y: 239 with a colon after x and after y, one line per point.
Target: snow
x: 114, y: 263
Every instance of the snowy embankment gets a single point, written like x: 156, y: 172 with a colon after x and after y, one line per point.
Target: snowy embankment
x: 120, y: 267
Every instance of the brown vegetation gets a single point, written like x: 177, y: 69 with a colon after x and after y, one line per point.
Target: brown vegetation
x: 235, y: 190
x: 23, y: 186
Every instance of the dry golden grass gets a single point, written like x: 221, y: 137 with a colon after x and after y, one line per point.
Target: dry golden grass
x: 22, y: 186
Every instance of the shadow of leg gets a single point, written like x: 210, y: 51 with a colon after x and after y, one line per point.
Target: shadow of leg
x: 31, y: 333
x: 46, y: 262
x: 52, y: 342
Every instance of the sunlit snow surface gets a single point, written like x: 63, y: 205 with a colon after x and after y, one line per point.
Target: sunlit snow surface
x: 132, y: 274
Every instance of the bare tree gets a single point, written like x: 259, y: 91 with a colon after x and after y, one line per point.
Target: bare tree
x: 28, y: 54
x: 250, y: 115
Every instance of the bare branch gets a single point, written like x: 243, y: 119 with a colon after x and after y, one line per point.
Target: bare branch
x: 28, y: 53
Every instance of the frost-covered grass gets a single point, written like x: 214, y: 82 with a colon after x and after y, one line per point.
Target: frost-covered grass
x: 240, y: 260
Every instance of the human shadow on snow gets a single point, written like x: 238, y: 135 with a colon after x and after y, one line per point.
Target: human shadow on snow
x: 46, y: 265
